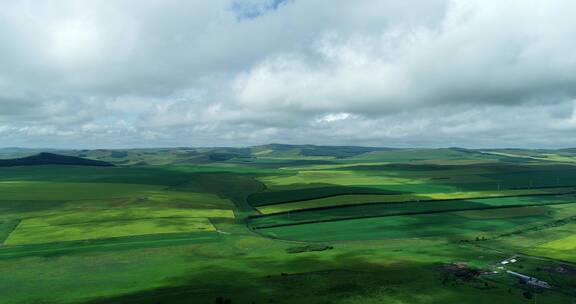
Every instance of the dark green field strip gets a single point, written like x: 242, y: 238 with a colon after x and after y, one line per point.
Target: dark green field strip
x: 24, y: 206
x: 503, y: 176
x: 298, y: 195
x: 6, y: 228
x: 121, y: 219
x: 542, y: 187
x: 355, y: 211
x: 496, y: 167
x: 442, y: 226
x: 548, y: 225
x: 412, y: 200
x: 129, y: 175
x: 547, y: 177
x: 111, y: 244
x: 448, y: 210
x: 276, y: 163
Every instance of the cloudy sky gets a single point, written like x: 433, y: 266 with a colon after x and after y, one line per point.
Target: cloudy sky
x: 422, y: 73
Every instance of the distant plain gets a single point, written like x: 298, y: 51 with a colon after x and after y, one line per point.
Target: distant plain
x: 288, y: 224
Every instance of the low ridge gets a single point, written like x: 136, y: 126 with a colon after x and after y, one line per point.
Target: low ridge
x: 45, y: 158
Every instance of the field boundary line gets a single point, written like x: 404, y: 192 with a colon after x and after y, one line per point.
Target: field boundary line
x: 416, y: 201
x: 15, y: 224
x: 120, y: 220
x: 104, y: 243
x: 324, y: 196
x: 406, y: 214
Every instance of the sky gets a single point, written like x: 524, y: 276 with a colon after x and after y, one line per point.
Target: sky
x: 398, y: 73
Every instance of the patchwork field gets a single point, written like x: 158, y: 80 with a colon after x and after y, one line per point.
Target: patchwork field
x: 289, y: 224
x: 347, y: 200
x: 445, y: 225
x: 50, y: 191
x: 39, y: 231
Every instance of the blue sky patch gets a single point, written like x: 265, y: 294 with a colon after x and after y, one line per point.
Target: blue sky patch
x: 251, y: 9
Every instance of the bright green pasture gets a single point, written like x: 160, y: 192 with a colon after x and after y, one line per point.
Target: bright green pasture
x: 553, y: 242
x: 34, y: 231
x: 146, y: 204
x: 428, y: 178
x: 563, y: 249
x: 345, y: 178
x: 374, y: 272
x: 55, y: 207
x: 153, y: 212
x: 64, y: 279
x: 116, y: 244
x: 77, y: 216
x: 535, y: 239
x: 564, y: 244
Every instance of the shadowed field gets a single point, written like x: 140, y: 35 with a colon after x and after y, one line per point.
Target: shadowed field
x: 287, y: 224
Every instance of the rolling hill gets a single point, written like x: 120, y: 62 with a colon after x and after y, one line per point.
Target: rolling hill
x: 45, y: 158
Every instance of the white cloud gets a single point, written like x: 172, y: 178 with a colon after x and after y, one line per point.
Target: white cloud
x: 332, y: 117
x: 227, y: 72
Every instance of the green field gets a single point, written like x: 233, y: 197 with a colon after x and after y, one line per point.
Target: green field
x: 289, y: 224
x: 355, y: 199
x: 39, y: 231
x: 445, y: 225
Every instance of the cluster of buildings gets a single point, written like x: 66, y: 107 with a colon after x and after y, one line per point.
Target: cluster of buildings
x: 528, y: 280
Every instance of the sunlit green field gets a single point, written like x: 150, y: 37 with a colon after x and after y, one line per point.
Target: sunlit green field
x: 288, y: 224
x: 39, y: 231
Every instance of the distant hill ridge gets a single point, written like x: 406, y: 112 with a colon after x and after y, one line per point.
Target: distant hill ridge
x: 45, y: 158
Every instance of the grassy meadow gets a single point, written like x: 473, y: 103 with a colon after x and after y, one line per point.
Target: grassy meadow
x: 289, y: 224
